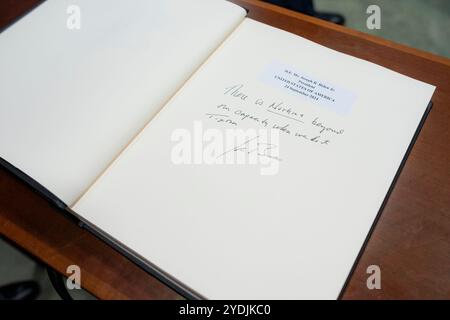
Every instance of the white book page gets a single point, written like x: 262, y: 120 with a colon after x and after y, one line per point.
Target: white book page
x: 235, y: 230
x: 71, y: 99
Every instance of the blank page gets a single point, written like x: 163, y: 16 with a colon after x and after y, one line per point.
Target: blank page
x: 288, y: 228
x: 71, y: 99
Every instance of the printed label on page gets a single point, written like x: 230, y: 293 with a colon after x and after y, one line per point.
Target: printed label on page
x: 311, y: 88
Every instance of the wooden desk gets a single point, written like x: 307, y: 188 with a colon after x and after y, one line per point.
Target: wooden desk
x: 411, y: 242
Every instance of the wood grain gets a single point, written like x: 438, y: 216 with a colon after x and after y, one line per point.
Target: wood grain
x: 411, y: 242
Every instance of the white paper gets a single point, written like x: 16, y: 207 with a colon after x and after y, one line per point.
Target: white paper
x: 308, y: 87
x: 227, y: 231
x: 71, y: 99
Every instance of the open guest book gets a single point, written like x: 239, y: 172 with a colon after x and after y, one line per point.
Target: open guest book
x: 124, y: 121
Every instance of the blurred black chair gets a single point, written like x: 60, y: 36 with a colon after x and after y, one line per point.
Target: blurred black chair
x: 24, y: 290
x: 307, y: 7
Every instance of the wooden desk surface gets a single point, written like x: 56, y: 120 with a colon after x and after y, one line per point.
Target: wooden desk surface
x: 411, y: 242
